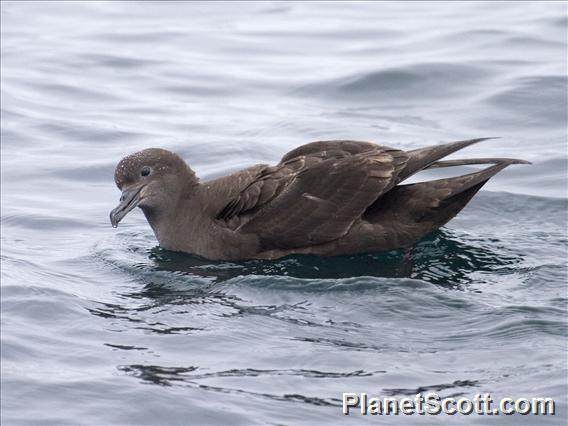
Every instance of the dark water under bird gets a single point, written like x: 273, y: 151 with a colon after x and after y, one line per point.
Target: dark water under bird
x: 102, y: 326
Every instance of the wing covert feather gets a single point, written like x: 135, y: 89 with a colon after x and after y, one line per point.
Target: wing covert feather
x: 316, y: 196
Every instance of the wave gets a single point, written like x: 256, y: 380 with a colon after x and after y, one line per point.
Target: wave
x: 402, y: 84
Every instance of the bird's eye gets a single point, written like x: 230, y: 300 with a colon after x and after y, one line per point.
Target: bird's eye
x: 145, y: 171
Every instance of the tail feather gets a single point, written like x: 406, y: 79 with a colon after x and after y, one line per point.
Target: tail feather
x: 469, y: 161
x: 449, y: 187
x: 406, y: 213
x: 433, y: 203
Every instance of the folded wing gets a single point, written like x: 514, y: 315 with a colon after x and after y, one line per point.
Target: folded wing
x: 316, y: 192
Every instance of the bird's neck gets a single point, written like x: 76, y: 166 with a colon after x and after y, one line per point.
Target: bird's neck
x: 177, y: 223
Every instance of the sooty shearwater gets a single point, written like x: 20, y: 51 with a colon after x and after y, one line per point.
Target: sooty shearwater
x: 324, y: 198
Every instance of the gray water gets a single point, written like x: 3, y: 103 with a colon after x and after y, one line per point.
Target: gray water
x: 101, y: 326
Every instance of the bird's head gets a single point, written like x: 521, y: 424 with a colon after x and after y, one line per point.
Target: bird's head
x: 154, y: 180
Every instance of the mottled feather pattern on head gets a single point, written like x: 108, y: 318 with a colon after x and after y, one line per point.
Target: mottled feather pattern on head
x: 160, y: 160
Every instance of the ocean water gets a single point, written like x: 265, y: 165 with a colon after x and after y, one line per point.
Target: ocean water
x: 101, y: 326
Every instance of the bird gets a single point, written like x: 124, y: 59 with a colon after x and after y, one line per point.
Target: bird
x: 325, y: 198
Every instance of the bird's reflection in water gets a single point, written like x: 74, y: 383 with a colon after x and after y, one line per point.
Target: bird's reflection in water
x: 192, y: 377
x: 441, y: 258
x: 192, y: 284
x: 193, y: 297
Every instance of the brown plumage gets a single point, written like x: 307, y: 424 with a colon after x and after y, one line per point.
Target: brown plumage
x: 325, y: 198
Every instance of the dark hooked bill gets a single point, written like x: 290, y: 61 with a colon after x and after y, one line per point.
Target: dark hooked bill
x: 129, y: 199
